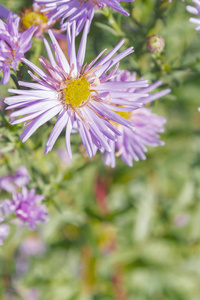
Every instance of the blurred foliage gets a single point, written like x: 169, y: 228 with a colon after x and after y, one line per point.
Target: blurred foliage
x: 123, y: 233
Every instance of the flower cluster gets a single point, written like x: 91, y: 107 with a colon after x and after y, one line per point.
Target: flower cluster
x: 83, y: 97
x: 86, y: 98
x: 96, y: 99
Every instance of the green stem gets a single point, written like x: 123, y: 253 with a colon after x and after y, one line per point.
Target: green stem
x: 37, y: 49
x: 14, y: 78
x: 112, y: 22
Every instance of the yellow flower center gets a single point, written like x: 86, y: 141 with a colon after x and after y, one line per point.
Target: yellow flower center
x: 33, y: 18
x: 124, y: 114
x: 77, y: 91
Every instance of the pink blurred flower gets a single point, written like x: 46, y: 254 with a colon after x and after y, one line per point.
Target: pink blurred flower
x: 25, y: 206
x: 9, y: 183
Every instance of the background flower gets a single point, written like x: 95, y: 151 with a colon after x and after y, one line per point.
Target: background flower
x: 131, y: 145
x: 13, y: 45
x: 33, y: 16
x: 26, y: 206
x: 77, y: 10
x: 10, y: 182
x: 4, y: 12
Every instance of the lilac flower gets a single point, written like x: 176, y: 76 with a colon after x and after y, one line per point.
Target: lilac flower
x: 131, y: 144
x: 10, y: 182
x: 34, y: 16
x: 4, y: 232
x: 170, y: 1
x: 4, y: 12
x: 78, y: 10
x: 195, y: 11
x: 32, y: 245
x: 25, y: 207
x: 21, y: 177
x: 81, y: 95
x: 13, y: 45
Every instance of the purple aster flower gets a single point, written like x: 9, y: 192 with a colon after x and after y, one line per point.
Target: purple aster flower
x: 78, y: 10
x: 81, y: 95
x: 195, y: 11
x: 4, y: 12
x: 131, y: 145
x: 21, y: 177
x: 10, y: 182
x: 34, y: 16
x: 25, y: 206
x: 13, y: 45
x: 170, y: 1
x: 4, y: 232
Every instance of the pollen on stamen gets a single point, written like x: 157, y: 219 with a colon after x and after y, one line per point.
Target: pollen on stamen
x: 124, y: 114
x: 77, y: 92
x: 33, y: 18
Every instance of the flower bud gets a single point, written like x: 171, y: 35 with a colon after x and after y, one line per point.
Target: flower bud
x: 155, y: 43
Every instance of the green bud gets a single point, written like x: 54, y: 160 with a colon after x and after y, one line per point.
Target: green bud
x: 155, y: 43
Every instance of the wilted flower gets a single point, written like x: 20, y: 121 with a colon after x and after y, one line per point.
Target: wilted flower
x: 195, y: 11
x: 26, y: 208
x: 13, y: 45
x: 78, y: 10
x: 10, y: 182
x: 131, y: 145
x: 81, y: 95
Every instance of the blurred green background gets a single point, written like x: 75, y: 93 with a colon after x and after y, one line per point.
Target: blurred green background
x: 123, y: 233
